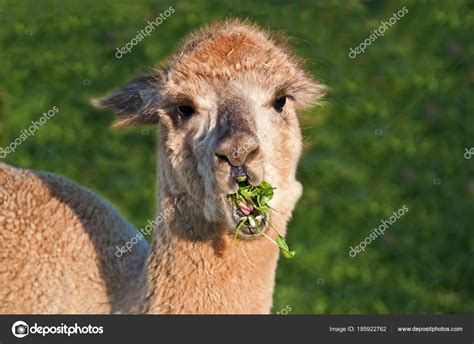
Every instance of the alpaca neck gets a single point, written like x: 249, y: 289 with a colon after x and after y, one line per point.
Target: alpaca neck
x: 210, y: 274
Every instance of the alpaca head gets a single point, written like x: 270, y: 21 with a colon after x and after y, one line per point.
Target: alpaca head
x: 225, y: 105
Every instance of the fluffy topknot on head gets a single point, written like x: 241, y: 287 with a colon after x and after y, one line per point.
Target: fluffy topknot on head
x: 226, y: 49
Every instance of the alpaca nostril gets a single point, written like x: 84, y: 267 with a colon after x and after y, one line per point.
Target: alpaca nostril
x: 223, y: 157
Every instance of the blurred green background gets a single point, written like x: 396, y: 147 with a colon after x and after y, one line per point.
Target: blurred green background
x: 393, y: 131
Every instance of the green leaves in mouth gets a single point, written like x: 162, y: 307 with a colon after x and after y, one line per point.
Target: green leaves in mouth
x: 252, y: 201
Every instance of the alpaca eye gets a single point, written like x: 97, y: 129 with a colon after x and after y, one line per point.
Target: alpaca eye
x: 279, y: 103
x: 185, y: 111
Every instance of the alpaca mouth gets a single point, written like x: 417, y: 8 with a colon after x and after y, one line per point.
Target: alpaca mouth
x: 248, y: 223
x: 249, y: 208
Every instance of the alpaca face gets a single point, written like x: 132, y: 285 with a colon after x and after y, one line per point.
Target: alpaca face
x: 226, y: 130
x: 225, y: 106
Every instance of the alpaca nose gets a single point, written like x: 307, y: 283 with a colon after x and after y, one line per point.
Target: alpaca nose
x: 238, y: 149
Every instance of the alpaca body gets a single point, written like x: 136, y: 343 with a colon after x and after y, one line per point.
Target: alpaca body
x: 57, y: 247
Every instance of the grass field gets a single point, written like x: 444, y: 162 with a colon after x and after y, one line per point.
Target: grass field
x: 393, y: 132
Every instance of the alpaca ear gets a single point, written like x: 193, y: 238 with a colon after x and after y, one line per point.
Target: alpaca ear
x: 307, y: 92
x: 135, y: 102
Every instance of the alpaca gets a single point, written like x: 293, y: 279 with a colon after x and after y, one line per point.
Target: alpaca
x: 224, y: 105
